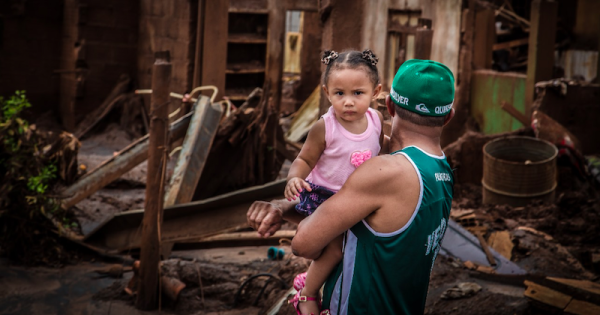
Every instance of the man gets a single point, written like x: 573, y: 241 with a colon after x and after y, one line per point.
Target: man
x: 393, y: 210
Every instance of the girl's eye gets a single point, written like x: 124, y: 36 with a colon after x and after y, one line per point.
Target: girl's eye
x: 358, y: 92
x: 339, y: 93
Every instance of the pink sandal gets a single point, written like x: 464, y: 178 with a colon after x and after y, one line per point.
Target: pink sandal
x: 301, y: 298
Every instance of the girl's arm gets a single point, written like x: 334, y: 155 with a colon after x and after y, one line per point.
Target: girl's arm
x: 306, y: 160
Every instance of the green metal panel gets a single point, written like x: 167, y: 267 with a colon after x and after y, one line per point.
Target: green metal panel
x: 488, y: 90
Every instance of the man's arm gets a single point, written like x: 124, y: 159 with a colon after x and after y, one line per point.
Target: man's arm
x: 267, y: 217
x: 360, y: 196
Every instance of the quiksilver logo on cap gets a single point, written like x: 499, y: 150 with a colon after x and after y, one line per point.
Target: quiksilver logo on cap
x: 422, y: 108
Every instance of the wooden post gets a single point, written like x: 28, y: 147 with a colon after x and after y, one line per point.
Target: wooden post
x: 542, y: 35
x: 484, y: 39
x: 598, y: 59
x: 277, y: 14
x: 456, y: 126
x: 214, y: 47
x: 157, y: 156
x: 310, y: 56
x: 423, y: 40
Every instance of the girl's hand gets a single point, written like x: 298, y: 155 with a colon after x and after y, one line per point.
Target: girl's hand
x: 294, y: 187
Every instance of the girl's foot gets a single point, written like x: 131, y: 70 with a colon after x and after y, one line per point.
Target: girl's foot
x: 305, y: 305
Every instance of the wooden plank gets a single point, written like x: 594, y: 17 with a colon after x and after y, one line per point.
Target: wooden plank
x: 545, y: 295
x: 310, y: 62
x: 250, y: 38
x: 423, y: 40
x: 236, y: 239
x: 276, y: 38
x: 582, y: 308
x: 484, y: 38
x: 197, y: 79
x: 195, y: 148
x: 510, y: 44
x: 591, y: 287
x: 301, y: 5
x: 214, y: 47
x: 186, y: 221
x: 457, y: 125
x: 147, y: 298
x: 542, y: 35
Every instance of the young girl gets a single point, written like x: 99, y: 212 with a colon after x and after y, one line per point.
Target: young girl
x: 349, y: 134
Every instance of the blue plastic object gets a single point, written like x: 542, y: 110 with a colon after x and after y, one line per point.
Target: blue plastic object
x: 274, y: 253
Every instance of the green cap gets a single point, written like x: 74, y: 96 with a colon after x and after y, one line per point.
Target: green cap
x: 425, y: 87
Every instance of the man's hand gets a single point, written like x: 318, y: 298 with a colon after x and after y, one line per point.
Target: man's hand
x: 265, y: 217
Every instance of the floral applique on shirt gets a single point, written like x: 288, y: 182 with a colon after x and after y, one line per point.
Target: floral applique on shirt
x: 359, y: 157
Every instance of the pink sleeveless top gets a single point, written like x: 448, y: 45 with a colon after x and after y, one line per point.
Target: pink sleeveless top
x: 344, y: 151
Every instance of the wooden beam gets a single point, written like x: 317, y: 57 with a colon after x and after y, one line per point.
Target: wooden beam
x: 484, y: 38
x: 276, y: 37
x: 197, y: 79
x: 214, y: 44
x: 185, y: 221
x: 423, y: 40
x: 236, y: 239
x: 542, y: 35
x: 301, y: 5
x: 195, y: 148
x: 510, y: 44
x: 457, y: 125
x: 147, y: 298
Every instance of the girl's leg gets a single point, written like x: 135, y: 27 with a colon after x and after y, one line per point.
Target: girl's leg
x: 317, y: 274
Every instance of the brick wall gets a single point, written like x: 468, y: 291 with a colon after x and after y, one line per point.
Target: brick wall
x: 30, y: 33
x: 167, y: 25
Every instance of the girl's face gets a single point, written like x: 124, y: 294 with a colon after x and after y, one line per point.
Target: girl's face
x: 350, y: 92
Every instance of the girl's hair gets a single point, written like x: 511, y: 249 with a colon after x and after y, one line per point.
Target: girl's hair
x: 351, y: 59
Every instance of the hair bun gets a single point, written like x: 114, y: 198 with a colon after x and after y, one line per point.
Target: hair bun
x: 369, y: 56
x: 329, y: 56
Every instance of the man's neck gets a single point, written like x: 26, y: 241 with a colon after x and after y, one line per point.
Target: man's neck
x: 407, y: 134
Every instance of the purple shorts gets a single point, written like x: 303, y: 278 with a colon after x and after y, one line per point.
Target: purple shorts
x: 310, y: 200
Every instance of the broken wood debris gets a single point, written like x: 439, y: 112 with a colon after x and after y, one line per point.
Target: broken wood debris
x: 569, y: 295
x: 116, y: 95
x: 121, y: 163
x: 250, y: 132
x: 195, y: 149
x: 186, y: 221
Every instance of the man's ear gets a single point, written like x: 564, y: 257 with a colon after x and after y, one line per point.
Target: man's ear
x: 449, y: 116
x: 390, y: 106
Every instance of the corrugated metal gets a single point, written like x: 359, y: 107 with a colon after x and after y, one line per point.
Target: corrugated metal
x: 580, y: 63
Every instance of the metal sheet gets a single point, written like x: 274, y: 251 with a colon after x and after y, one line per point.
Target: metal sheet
x: 461, y: 244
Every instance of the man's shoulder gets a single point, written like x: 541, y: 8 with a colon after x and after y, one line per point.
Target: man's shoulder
x: 383, y: 168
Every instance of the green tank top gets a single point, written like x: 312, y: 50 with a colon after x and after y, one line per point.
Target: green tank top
x: 388, y: 273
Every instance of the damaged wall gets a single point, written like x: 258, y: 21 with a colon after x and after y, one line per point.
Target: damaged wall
x: 99, y: 45
x: 167, y: 25
x: 445, y: 16
x: 30, y: 33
